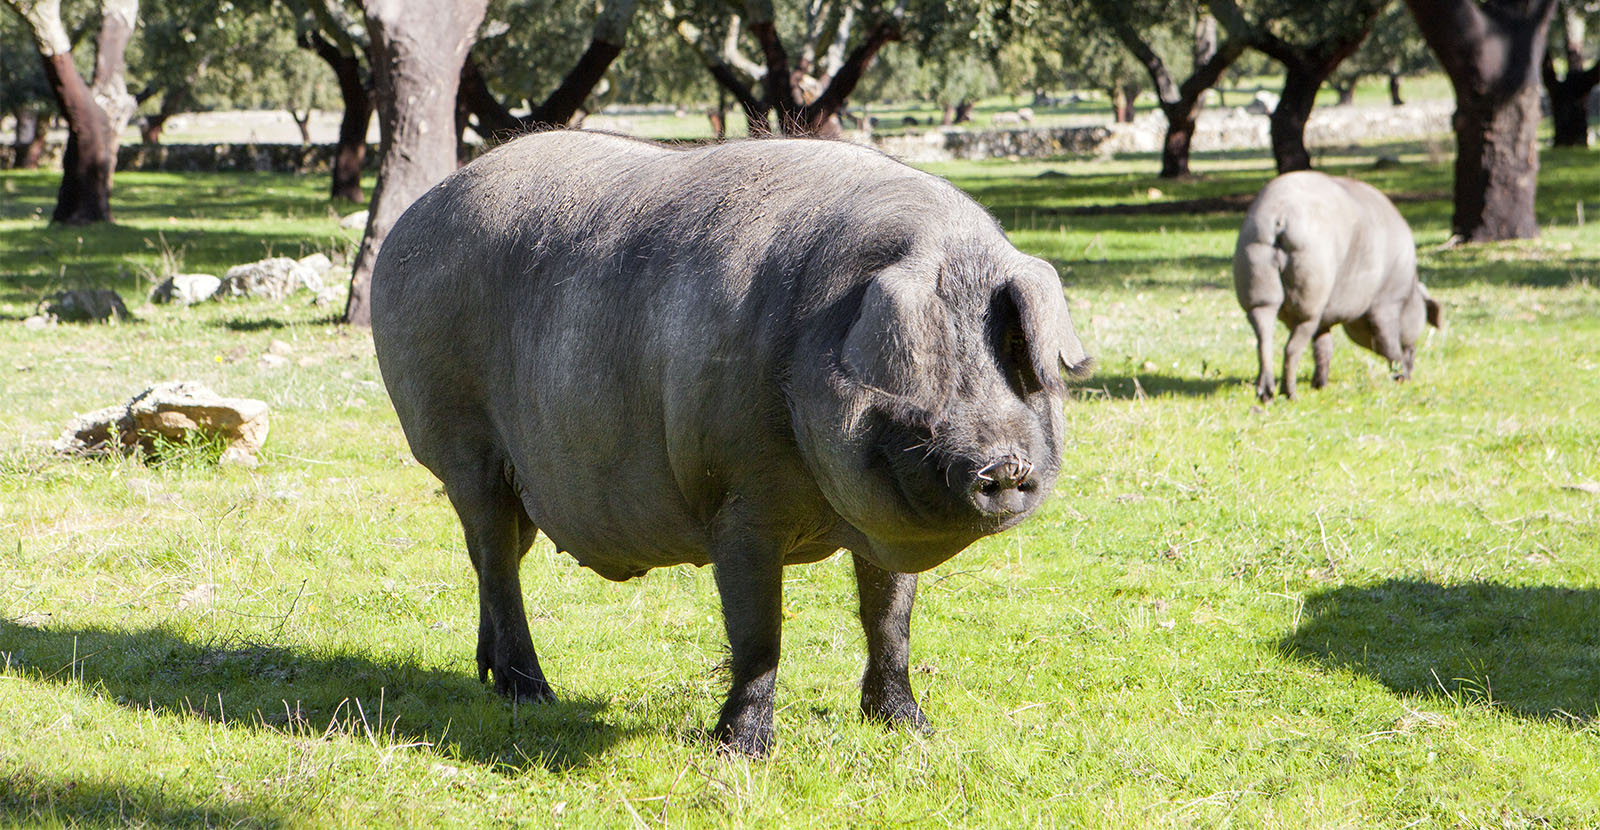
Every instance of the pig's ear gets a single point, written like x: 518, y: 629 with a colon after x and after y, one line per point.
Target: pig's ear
x: 1053, y: 344
x: 900, y: 340
x: 1435, y: 311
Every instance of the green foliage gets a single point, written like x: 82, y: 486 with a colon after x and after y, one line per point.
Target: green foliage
x: 22, y: 80
x: 226, y: 54
x: 1372, y: 607
x: 1394, y: 47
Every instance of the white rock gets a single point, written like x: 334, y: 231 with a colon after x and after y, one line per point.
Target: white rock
x: 318, y: 262
x: 1263, y: 104
x: 175, y: 410
x: 274, y: 278
x: 185, y: 289
x: 355, y: 221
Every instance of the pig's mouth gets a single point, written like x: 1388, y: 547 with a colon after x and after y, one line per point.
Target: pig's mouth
x: 951, y: 492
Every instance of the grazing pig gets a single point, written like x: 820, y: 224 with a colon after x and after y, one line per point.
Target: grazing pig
x: 1317, y: 251
x: 746, y: 355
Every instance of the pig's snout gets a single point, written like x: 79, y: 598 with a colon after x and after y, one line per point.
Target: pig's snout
x: 1003, y: 486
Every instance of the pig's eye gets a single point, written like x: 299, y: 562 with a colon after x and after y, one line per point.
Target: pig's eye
x: 1010, y: 344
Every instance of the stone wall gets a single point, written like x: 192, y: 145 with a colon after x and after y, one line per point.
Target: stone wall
x: 261, y: 158
x: 1217, y: 129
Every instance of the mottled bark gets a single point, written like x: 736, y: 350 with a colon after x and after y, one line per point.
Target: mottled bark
x: 417, y: 52
x: 1497, y: 167
x: 95, y: 114
x: 1491, y: 52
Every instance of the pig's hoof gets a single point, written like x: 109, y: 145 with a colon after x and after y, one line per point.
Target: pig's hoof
x: 896, y: 711
x: 523, y: 687
x: 749, y: 741
x: 910, y: 719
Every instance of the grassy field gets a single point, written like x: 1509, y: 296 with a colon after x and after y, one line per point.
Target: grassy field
x: 1376, y: 606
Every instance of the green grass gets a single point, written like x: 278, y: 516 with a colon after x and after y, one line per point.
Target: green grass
x: 1375, y: 606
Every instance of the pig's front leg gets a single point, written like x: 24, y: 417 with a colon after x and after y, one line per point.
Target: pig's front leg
x: 749, y: 576
x: 886, y: 599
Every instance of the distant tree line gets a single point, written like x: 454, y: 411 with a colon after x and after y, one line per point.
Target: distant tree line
x: 500, y: 68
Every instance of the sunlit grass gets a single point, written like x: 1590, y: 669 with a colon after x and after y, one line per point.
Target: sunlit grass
x: 1371, y: 607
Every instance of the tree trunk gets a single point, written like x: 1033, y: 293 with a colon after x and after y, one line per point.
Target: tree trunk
x: 1290, y: 116
x: 1569, y: 96
x: 417, y: 52
x: 495, y: 121
x: 1175, y: 147
x: 95, y: 115
x: 172, y: 102
x: 562, y: 104
x: 29, y: 145
x: 150, y: 128
x: 963, y: 112
x: 1569, y: 111
x: 1497, y: 166
x: 90, y: 157
x: 1122, y: 96
x: 1307, y: 65
x: 1394, y: 90
x: 796, y: 116
x: 350, y: 155
x: 1181, y: 103
x: 1569, y: 114
x: 1347, y: 93
x: 303, y: 123
x: 1492, y: 60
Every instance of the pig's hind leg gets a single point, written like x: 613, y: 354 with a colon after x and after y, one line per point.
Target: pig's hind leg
x: 498, y: 533
x: 1322, y: 353
x: 1264, y: 319
x: 886, y: 599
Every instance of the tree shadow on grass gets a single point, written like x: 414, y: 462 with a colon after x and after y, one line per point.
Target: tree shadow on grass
x: 1531, y: 651
x: 31, y: 799
x: 1132, y: 387
x: 301, y: 693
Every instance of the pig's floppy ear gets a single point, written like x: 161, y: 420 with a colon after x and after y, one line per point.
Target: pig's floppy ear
x: 1053, y: 344
x: 899, y: 340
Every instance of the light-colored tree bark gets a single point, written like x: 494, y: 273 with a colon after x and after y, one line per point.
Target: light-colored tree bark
x: 417, y: 53
x: 96, y: 112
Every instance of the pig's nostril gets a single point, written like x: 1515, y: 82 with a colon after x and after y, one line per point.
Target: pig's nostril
x: 1028, y: 486
x: 990, y: 488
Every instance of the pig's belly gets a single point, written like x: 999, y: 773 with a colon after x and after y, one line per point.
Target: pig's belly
x: 619, y: 541
x: 621, y: 546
